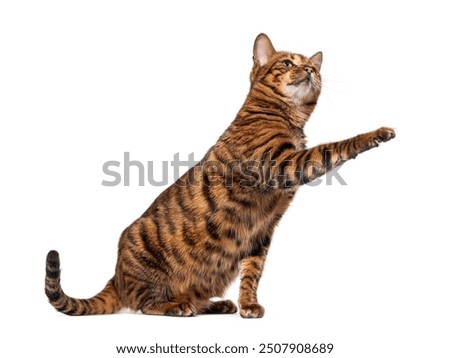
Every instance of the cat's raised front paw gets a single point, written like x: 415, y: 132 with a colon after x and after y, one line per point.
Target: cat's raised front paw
x: 252, y: 310
x: 384, y: 134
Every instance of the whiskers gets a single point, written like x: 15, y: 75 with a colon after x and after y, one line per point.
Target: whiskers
x: 334, y: 86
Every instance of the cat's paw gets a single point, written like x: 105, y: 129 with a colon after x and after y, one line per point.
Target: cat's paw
x: 225, y: 306
x: 383, y: 134
x: 181, y: 310
x: 252, y: 310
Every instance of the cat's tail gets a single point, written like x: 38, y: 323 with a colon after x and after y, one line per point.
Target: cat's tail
x: 106, y: 301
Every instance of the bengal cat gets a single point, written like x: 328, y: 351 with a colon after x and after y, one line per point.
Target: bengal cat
x: 218, y: 219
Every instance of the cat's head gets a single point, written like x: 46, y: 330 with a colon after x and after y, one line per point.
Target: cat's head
x: 294, y: 77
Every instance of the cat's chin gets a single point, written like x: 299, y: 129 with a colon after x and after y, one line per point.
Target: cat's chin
x: 299, y: 90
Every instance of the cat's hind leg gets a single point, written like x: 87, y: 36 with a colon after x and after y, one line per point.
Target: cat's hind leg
x: 218, y: 307
x: 179, y: 309
x: 188, y: 309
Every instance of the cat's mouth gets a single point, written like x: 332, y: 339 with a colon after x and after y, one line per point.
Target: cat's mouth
x: 306, y: 80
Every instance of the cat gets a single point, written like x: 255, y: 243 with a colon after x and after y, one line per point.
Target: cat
x: 217, y: 220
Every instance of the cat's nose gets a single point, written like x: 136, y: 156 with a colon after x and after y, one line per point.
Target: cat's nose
x: 308, y: 69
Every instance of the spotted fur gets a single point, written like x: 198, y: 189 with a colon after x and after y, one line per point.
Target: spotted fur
x: 217, y: 220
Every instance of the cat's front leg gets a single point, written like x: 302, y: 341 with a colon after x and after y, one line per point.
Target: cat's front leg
x: 289, y: 168
x: 367, y: 141
x: 251, y: 269
x: 318, y: 160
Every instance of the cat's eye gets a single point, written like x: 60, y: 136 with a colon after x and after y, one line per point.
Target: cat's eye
x: 288, y: 63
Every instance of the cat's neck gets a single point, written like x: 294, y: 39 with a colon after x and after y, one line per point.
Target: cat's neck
x: 294, y: 114
x: 300, y: 113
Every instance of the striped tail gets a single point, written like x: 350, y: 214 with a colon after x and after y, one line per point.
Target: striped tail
x: 107, y: 301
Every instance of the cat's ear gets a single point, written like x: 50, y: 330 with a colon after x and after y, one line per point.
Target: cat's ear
x: 262, y: 50
x: 316, y: 59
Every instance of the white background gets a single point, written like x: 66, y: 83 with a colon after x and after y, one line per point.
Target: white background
x: 364, y: 266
